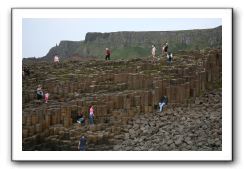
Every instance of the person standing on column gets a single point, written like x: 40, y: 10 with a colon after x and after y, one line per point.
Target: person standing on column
x: 91, y: 115
x: 82, y: 144
x: 107, y: 54
x: 153, y: 53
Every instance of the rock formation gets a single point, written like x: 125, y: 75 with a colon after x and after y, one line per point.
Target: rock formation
x: 137, y: 44
x: 125, y: 94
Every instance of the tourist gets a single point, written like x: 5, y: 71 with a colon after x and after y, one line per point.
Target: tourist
x: 81, y: 118
x: 82, y: 144
x: 91, y: 115
x: 56, y: 59
x: 169, y: 57
x: 46, y: 96
x: 153, y: 53
x: 39, y: 92
x: 107, y: 54
x: 162, y: 103
x: 165, y: 48
x: 26, y: 71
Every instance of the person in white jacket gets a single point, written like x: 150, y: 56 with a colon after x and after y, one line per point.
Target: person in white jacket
x: 56, y: 59
x: 153, y: 53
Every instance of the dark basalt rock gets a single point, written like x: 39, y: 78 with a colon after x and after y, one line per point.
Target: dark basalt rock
x: 124, y: 94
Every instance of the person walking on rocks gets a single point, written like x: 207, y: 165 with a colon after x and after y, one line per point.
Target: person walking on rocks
x: 162, y: 103
x: 153, y: 53
x: 56, y: 59
x: 26, y: 71
x: 169, y: 57
x: 39, y: 92
x: 81, y: 118
x: 46, y: 96
x: 91, y: 115
x: 107, y: 54
x: 82, y: 144
x: 165, y: 48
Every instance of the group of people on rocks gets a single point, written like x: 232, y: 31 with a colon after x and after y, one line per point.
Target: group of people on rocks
x: 82, y: 120
x: 82, y: 144
x: 165, y: 47
x: 165, y: 51
x: 81, y: 117
x: 40, y: 94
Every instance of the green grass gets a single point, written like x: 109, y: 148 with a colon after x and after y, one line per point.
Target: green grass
x: 129, y: 53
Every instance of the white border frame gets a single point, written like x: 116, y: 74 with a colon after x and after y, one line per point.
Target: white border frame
x: 19, y: 155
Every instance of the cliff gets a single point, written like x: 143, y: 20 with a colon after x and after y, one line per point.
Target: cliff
x: 137, y: 44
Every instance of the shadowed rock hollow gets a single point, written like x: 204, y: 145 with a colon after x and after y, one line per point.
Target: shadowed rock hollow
x: 125, y: 94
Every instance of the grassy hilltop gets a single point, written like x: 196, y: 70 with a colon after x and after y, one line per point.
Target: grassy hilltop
x: 125, y: 45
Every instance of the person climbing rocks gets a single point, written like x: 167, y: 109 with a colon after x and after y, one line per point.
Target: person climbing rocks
x: 46, y: 96
x: 153, y: 53
x: 81, y: 118
x: 165, y: 47
x: 169, y: 57
x: 107, y: 54
x: 162, y: 103
x: 39, y: 92
x: 82, y: 144
x: 91, y: 115
x: 26, y: 71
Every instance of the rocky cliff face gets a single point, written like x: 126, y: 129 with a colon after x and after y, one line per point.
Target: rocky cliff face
x: 137, y: 44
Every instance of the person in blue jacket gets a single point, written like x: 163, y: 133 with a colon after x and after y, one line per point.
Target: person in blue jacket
x: 82, y: 144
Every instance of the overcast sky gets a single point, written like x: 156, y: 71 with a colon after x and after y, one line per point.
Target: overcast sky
x: 39, y: 35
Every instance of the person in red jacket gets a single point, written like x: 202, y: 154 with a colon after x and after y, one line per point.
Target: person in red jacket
x: 108, y: 53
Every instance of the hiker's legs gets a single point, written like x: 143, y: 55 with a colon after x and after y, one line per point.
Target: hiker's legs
x: 163, y: 104
x: 82, y: 148
x: 160, y: 106
x: 91, y: 120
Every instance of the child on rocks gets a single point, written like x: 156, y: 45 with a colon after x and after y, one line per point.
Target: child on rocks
x: 46, y: 97
x: 91, y: 115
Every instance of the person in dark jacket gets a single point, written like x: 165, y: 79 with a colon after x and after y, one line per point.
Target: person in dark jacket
x: 162, y: 103
x: 82, y: 144
x: 81, y: 118
x: 26, y: 71
x: 166, y: 47
x: 107, y: 53
x: 39, y: 93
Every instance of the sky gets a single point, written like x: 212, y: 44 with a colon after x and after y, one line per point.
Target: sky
x: 39, y: 35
